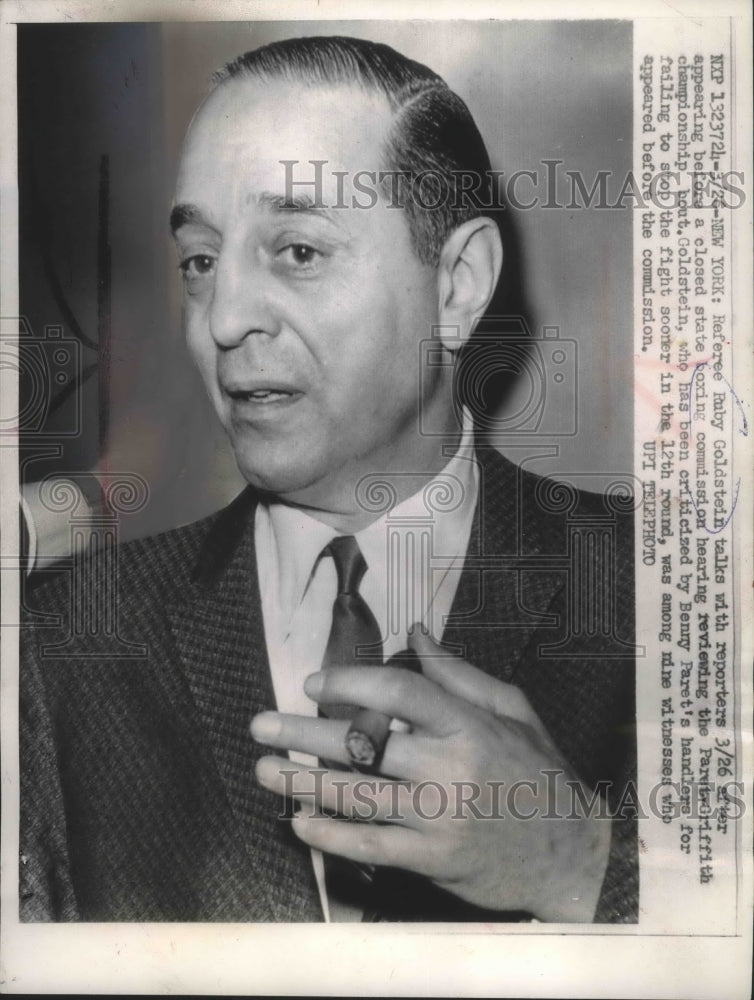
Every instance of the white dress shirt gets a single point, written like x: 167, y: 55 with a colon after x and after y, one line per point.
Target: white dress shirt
x: 414, y: 553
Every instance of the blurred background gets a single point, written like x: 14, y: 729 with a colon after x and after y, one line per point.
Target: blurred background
x: 106, y: 382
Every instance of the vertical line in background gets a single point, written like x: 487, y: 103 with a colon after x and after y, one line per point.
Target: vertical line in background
x: 104, y: 285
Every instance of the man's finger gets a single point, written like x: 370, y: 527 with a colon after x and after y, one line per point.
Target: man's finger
x: 321, y: 737
x: 325, y: 738
x: 354, y: 796
x: 395, y: 846
x: 399, y: 693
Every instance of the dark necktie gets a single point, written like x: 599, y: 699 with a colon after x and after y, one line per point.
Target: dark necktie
x: 354, y: 641
x: 354, y: 635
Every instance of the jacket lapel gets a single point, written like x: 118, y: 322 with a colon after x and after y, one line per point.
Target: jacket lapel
x: 502, y: 599
x: 219, y: 634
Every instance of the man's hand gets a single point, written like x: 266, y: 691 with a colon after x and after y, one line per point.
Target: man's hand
x: 473, y: 808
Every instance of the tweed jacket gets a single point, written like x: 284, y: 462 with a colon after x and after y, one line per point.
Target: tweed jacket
x: 138, y: 795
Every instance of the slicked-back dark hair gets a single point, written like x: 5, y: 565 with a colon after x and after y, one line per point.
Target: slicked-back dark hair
x: 433, y: 140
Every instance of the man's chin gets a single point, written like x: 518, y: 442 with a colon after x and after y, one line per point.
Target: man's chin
x: 327, y: 498
x: 287, y: 481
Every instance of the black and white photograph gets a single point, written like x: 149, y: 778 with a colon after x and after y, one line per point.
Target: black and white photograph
x: 375, y: 502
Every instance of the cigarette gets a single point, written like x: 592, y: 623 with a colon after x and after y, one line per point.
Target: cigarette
x: 369, y: 730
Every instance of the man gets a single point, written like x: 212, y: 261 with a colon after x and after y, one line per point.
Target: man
x: 325, y: 312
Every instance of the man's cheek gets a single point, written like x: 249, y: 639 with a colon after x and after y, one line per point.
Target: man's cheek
x: 203, y: 356
x: 199, y: 344
x: 206, y: 367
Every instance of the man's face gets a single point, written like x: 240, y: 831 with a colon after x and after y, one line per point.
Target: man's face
x: 305, y: 324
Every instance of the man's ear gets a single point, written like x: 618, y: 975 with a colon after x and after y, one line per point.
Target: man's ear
x: 468, y: 273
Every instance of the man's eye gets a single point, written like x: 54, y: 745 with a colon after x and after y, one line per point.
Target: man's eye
x: 300, y: 254
x: 197, y: 266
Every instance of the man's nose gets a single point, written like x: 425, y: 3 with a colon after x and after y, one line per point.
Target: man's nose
x: 240, y: 303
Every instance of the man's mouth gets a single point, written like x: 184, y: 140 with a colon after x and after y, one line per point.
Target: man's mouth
x: 267, y: 395
x: 262, y: 395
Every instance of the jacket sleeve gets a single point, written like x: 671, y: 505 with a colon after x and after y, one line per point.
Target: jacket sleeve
x: 587, y: 704
x: 45, y: 886
x: 619, y: 897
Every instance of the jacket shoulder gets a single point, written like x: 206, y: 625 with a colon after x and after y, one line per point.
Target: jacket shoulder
x: 152, y: 569
x: 545, y: 508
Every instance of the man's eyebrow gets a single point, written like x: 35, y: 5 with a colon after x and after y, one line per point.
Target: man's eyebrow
x: 303, y: 203
x: 184, y: 215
